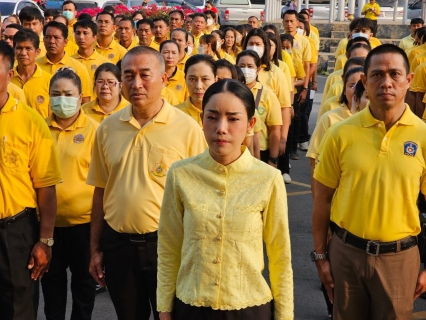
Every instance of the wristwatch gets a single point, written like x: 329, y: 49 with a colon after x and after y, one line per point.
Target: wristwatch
x: 305, y: 88
x: 49, y: 241
x: 274, y: 160
x: 318, y: 256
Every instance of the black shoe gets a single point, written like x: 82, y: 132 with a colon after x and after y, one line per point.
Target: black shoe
x: 294, y: 155
x: 100, y: 289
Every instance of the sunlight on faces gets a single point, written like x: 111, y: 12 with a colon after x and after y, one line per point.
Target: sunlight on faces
x: 248, y: 62
x: 198, y: 24
x: 145, y: 34
x: 198, y: 79
x: 175, y: 21
x: 229, y: 38
x: 69, y: 7
x: 106, y: 26
x: 142, y: 79
x: 160, y: 29
x: 125, y: 30
x: 54, y: 41
x: 170, y: 53
x: 286, y: 45
x: 35, y: 25
x: 225, y: 125
x: 84, y: 37
x: 290, y: 22
x: 109, y: 90
x: 180, y: 38
x: 255, y: 41
x: 25, y: 53
x: 350, y: 87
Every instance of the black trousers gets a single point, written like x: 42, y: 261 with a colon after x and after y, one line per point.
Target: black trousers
x: 304, y: 114
x: 283, y: 160
x: 70, y: 250
x: 131, y: 273
x: 18, y: 293
x: 182, y: 311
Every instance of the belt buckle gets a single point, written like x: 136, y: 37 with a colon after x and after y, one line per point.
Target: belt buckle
x: 375, y: 254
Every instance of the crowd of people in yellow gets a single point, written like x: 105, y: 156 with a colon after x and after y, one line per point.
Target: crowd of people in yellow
x: 111, y: 122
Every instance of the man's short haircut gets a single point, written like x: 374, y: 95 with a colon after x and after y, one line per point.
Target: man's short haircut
x: 26, y: 35
x: 15, y: 26
x: 84, y: 16
x: 180, y: 30
x: 210, y: 13
x: 8, y: 54
x: 51, y: 13
x: 86, y: 24
x: 30, y: 14
x: 387, y: 48
x: 417, y: 21
x: 253, y: 17
x: 57, y: 25
x: 288, y: 12
x: 361, y: 23
x: 199, y: 14
x: 145, y: 21
x: 139, y: 50
x: 69, y: 2
x: 356, y: 61
x: 182, y: 16
x: 109, y: 9
x: 105, y: 13
x: 160, y: 19
x: 129, y: 20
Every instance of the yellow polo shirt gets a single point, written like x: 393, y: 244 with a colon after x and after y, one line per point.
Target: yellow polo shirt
x: 71, y: 24
x: 214, y: 222
x: 71, y: 48
x: 67, y: 61
x: 299, y: 70
x: 288, y: 60
x: 191, y: 110
x: 315, y: 38
x: 418, y: 84
x: 416, y: 51
x: 384, y: 169
x: 407, y: 42
x: 341, y: 47
x: 335, y: 90
x: 169, y: 96
x: 227, y: 57
x: 91, y: 63
x: 340, y: 62
x: 154, y: 45
x: 92, y: 109
x: 371, y: 15
x: 178, y: 85
x: 329, y: 104
x: 302, y: 48
x: 28, y: 158
x: 74, y: 147
x: 181, y: 64
x: 114, y: 52
x: 314, y: 53
x: 286, y: 70
x: 269, y: 111
x: 16, y: 93
x: 334, y: 77
x: 134, y: 43
x: 276, y: 80
x: 41, y: 46
x: 36, y: 90
x: 196, y: 43
x: 326, y: 121
x: 418, y: 60
x: 314, y: 29
x: 131, y: 162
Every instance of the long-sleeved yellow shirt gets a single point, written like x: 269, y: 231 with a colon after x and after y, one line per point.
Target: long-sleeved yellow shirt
x: 213, y: 222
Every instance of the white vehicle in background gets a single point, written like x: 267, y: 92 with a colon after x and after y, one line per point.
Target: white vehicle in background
x: 8, y: 7
x: 414, y: 10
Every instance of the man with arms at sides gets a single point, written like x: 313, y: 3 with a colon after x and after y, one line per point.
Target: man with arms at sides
x: 28, y: 175
x: 145, y: 32
x: 199, y: 22
x: 131, y: 156
x: 375, y: 238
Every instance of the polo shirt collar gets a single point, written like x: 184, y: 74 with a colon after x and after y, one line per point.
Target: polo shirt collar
x: 91, y: 57
x: 63, y: 61
x: 94, y: 105
x: 10, y: 105
x: 37, y: 73
x: 110, y: 46
x: 238, y: 165
x: 193, y: 110
x: 161, y: 117
x: 368, y: 120
x: 80, y: 122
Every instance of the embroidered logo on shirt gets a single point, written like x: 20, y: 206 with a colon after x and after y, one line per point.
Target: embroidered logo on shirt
x: 40, y: 99
x: 179, y: 87
x: 296, y: 45
x: 261, y: 110
x: 11, y: 159
x: 410, y: 148
x: 111, y: 56
x: 78, y: 138
x: 93, y: 67
x: 159, y: 170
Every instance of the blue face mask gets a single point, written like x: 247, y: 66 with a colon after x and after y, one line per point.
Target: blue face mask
x: 68, y: 14
x: 64, y: 107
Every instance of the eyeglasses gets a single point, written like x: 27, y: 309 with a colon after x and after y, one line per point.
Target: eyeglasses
x: 4, y: 37
x: 109, y: 83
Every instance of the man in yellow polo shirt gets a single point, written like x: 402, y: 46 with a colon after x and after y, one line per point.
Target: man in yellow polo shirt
x: 145, y: 33
x: 368, y: 176
x: 408, y: 41
x: 126, y: 33
x: 28, y: 75
x: 181, y: 37
x: 132, y: 154
x: 371, y: 11
x: 29, y: 171
x: 31, y: 18
x: 56, y: 38
x: 69, y: 11
x: 199, y: 23
x: 161, y: 30
x: 105, y: 44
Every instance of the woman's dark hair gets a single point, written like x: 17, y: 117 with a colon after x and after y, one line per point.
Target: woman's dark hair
x: 190, y: 35
x: 234, y: 48
x: 108, y: 67
x: 249, y: 53
x: 222, y: 63
x: 277, y: 36
x: 199, y: 58
x: 57, y: 25
x: 51, y: 13
x: 211, y: 39
x: 343, y: 98
x: 356, y: 61
x: 235, y: 88
x: 261, y: 34
x: 169, y: 41
x: 357, y: 46
x: 67, y: 73
x: 273, y: 38
x: 84, y: 16
x: 359, y: 89
x: 26, y: 35
x: 240, y: 75
x: 241, y: 30
x: 287, y: 37
x: 306, y: 25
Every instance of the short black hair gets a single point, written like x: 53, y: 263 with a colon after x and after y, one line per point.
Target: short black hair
x: 8, y: 54
x: 387, y: 48
x: 86, y: 24
x: 180, y: 30
x: 249, y: 53
x: 109, y: 8
x: 26, y: 35
x: 67, y: 73
x: 357, y: 61
x: 210, y: 13
x: 51, y: 13
x: 235, y: 88
x: 30, y: 14
x: 179, y: 12
x: 141, y: 50
x: 357, y: 40
x: 287, y: 37
x: 253, y: 17
x: 343, y: 98
x: 169, y: 41
x: 261, y: 34
x: 57, y: 25
x: 361, y: 23
x: 357, y: 46
x: 145, y: 21
x: 105, y: 13
x: 15, y: 26
x: 291, y: 12
x: 199, y: 58
x: 84, y: 16
x: 199, y: 14
x: 160, y: 19
x: 417, y: 21
x: 359, y: 89
x: 69, y: 2
x: 125, y: 18
x: 108, y: 67
x: 222, y: 63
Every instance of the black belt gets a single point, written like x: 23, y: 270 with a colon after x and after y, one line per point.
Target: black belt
x: 375, y: 248
x: 135, y: 237
x: 21, y: 215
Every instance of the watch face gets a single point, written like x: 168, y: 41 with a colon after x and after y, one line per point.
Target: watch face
x: 50, y: 242
x: 313, y: 255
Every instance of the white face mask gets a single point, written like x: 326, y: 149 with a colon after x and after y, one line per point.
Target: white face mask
x: 200, y: 50
x: 189, y: 51
x: 238, y: 39
x: 360, y: 34
x: 257, y: 49
x: 249, y: 74
x: 218, y: 46
x: 300, y: 31
x: 289, y: 51
x: 209, y: 22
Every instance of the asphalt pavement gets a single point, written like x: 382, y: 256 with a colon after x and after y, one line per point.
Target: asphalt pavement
x: 308, y: 298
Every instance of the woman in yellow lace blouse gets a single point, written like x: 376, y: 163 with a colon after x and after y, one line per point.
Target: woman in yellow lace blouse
x: 218, y: 209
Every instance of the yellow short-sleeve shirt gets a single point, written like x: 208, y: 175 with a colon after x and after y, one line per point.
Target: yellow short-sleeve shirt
x: 386, y: 169
x: 371, y: 15
x: 196, y: 43
x: 334, y: 77
x: 92, y: 109
x: 36, y: 90
x: 314, y: 53
x: 181, y: 64
x: 418, y: 60
x: 227, y: 57
x: 71, y: 48
x: 315, y: 38
x: 407, y: 42
x: 74, y: 147
x: 329, y: 104
x: 416, y: 51
x: 276, y: 80
x: 67, y: 61
x: 298, y: 67
x: 302, y: 48
x: 154, y: 45
x: 16, y: 93
x: 131, y: 162
x: 341, y: 47
x: 191, y: 110
x: 288, y: 59
x: 340, y: 62
x: 178, y: 85
x: 28, y: 158
x: 418, y: 84
x: 170, y: 96
x: 91, y: 63
x: 286, y: 70
x: 113, y: 52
